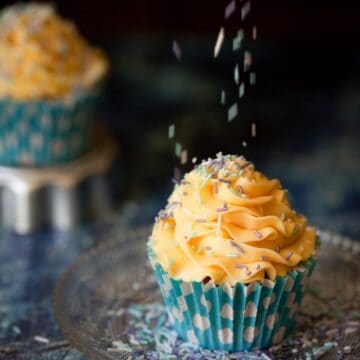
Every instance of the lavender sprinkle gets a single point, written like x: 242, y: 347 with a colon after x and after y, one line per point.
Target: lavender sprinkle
x: 258, y: 234
x: 237, y: 247
x: 241, y: 266
x: 290, y: 254
x: 176, y: 50
x: 230, y: 8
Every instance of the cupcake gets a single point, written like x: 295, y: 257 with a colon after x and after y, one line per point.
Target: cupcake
x: 50, y: 80
x: 231, y: 257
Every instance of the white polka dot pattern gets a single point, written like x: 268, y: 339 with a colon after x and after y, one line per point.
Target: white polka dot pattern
x: 201, y: 322
x: 227, y: 312
x: 250, y: 309
x: 250, y: 333
x: 279, y: 335
x: 226, y: 336
x: 205, y: 302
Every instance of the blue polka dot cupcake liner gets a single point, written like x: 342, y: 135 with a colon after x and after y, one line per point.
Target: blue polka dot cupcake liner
x: 245, y: 317
x: 40, y: 133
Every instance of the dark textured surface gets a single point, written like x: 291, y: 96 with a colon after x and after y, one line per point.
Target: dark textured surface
x: 307, y: 136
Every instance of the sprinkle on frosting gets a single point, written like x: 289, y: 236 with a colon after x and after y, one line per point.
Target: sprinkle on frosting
x: 260, y: 228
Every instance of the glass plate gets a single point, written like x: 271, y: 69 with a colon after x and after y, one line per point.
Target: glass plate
x: 93, y: 298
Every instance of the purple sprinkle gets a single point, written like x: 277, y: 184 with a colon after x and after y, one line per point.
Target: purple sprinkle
x: 237, y: 247
x: 200, y: 220
x: 176, y: 50
x: 263, y: 258
x: 230, y: 8
x: 241, y: 266
x: 290, y: 254
x: 224, y: 208
x: 240, y: 189
x: 277, y: 249
x: 258, y: 234
x: 245, y: 10
x: 225, y: 181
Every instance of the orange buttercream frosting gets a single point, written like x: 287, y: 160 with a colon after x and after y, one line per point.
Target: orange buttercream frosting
x: 42, y: 56
x: 230, y: 223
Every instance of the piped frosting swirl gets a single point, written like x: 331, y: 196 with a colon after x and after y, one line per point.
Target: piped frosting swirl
x: 227, y: 222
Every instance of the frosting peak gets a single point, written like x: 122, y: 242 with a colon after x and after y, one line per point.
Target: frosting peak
x: 230, y: 223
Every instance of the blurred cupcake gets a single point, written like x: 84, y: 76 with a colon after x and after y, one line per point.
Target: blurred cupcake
x: 231, y: 257
x: 50, y: 80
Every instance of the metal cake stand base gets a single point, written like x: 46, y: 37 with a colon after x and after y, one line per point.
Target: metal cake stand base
x: 59, y: 195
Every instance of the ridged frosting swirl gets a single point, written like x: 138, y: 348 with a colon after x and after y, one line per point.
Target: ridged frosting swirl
x: 227, y: 222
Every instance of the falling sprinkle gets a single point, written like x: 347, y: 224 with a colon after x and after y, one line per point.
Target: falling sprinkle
x: 219, y: 42
x: 223, y: 97
x: 258, y: 267
x: 258, y: 234
x: 238, y: 40
x: 230, y: 8
x: 263, y: 258
x: 277, y: 249
x: 41, y: 339
x: 225, y: 181
x: 236, y: 74
x: 232, y: 112
x: 178, y: 148
x: 184, y: 182
x: 247, y: 61
x: 194, y: 160
x: 244, y: 144
x: 171, y: 132
x: 252, y: 79
x: 237, y: 247
x: 200, y: 220
x: 176, y: 50
x: 253, y: 130
x: 241, y: 90
x: 245, y: 10
x: 248, y: 273
x: 183, y: 158
x: 289, y: 255
x: 254, y: 32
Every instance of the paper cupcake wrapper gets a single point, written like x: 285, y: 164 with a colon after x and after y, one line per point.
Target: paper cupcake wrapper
x: 234, y: 319
x: 37, y: 133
